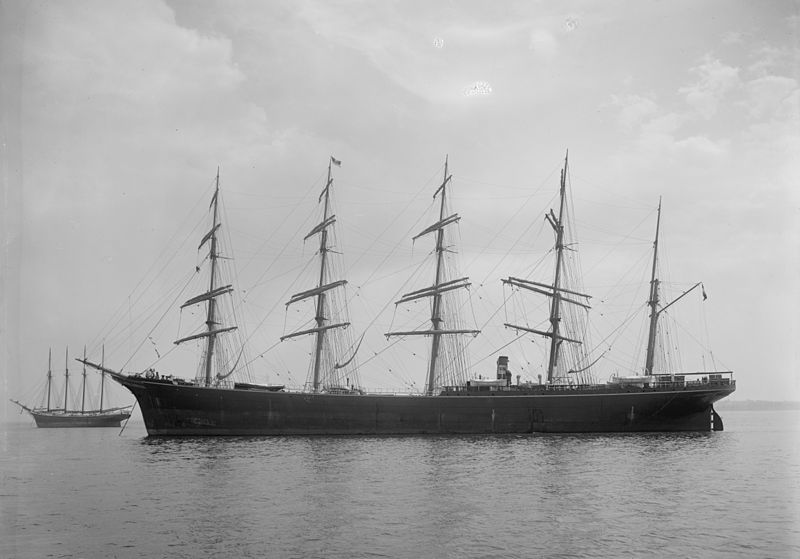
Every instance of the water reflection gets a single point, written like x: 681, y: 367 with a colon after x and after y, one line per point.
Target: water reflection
x: 93, y: 493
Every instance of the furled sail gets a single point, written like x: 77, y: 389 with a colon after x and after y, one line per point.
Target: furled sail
x: 216, y: 355
x: 331, y: 339
x: 448, y: 360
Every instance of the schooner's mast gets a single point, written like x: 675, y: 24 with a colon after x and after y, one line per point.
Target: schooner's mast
x: 435, y: 291
x: 49, y: 375
x: 102, y: 375
x: 83, y: 385
x: 555, y: 291
x: 653, y: 303
x: 66, y: 378
x: 320, y: 292
x: 211, y: 295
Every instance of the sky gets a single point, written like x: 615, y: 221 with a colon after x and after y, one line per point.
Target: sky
x: 117, y: 115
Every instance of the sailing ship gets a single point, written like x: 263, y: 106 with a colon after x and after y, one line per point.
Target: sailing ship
x: 49, y: 415
x: 332, y: 403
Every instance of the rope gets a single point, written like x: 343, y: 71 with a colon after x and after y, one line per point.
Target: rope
x: 124, y: 425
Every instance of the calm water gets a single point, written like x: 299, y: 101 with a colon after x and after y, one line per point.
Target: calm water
x: 93, y: 493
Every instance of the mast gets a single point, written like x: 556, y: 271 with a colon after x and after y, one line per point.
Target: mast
x: 320, y: 292
x: 554, y: 290
x: 555, y: 306
x: 435, y: 291
x: 66, y: 379
x: 212, y: 303
x: 214, y: 291
x: 49, y: 375
x: 83, y: 385
x: 436, y: 318
x: 323, y: 257
x: 653, y: 302
x: 102, y: 375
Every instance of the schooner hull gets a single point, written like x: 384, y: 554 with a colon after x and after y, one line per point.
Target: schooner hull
x: 190, y: 410
x: 61, y: 420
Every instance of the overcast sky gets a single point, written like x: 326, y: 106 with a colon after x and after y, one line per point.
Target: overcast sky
x: 116, y: 115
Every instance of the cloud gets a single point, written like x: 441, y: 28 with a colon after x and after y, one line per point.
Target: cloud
x: 733, y: 38
x: 661, y: 137
x: 634, y: 109
x: 543, y: 43
x: 715, y: 80
x: 772, y: 95
x: 140, y: 90
x: 701, y: 146
x: 768, y: 58
x: 126, y: 117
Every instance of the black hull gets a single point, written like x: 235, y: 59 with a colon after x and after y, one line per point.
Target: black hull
x: 97, y: 419
x: 184, y: 409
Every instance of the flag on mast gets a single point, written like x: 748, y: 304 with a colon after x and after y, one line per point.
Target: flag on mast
x: 335, y: 161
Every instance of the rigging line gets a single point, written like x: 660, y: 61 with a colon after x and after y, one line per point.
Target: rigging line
x: 122, y: 306
x: 586, y: 368
x: 233, y: 368
x: 282, y: 274
x: 272, y: 309
x: 288, y: 215
x: 169, y: 309
x: 128, y: 418
x: 157, y: 361
x: 511, y: 219
x: 401, y: 239
x: 628, y: 236
x: 610, y: 292
x: 482, y: 359
x: 497, y: 265
x: 411, y: 200
x: 141, y: 321
x: 236, y: 309
x: 155, y: 304
x: 622, y: 324
x: 300, y: 227
x: 392, y: 252
x: 704, y: 316
x: 346, y: 363
x: 571, y: 226
x: 263, y: 353
x: 488, y: 320
x: 390, y: 300
x: 684, y: 329
x: 385, y: 348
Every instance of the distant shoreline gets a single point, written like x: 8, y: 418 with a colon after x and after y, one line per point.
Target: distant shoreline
x: 756, y: 405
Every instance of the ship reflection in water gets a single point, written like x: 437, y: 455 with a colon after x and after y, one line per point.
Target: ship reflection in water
x: 465, y: 496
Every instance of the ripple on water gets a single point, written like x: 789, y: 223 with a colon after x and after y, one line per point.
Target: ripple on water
x: 87, y: 493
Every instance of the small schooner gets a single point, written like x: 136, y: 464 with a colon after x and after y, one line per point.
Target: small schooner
x: 49, y: 415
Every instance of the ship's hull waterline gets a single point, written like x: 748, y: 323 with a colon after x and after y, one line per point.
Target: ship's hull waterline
x: 191, y: 410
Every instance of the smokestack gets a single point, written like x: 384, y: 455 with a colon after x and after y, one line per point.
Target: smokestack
x: 502, y: 367
x: 502, y: 370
